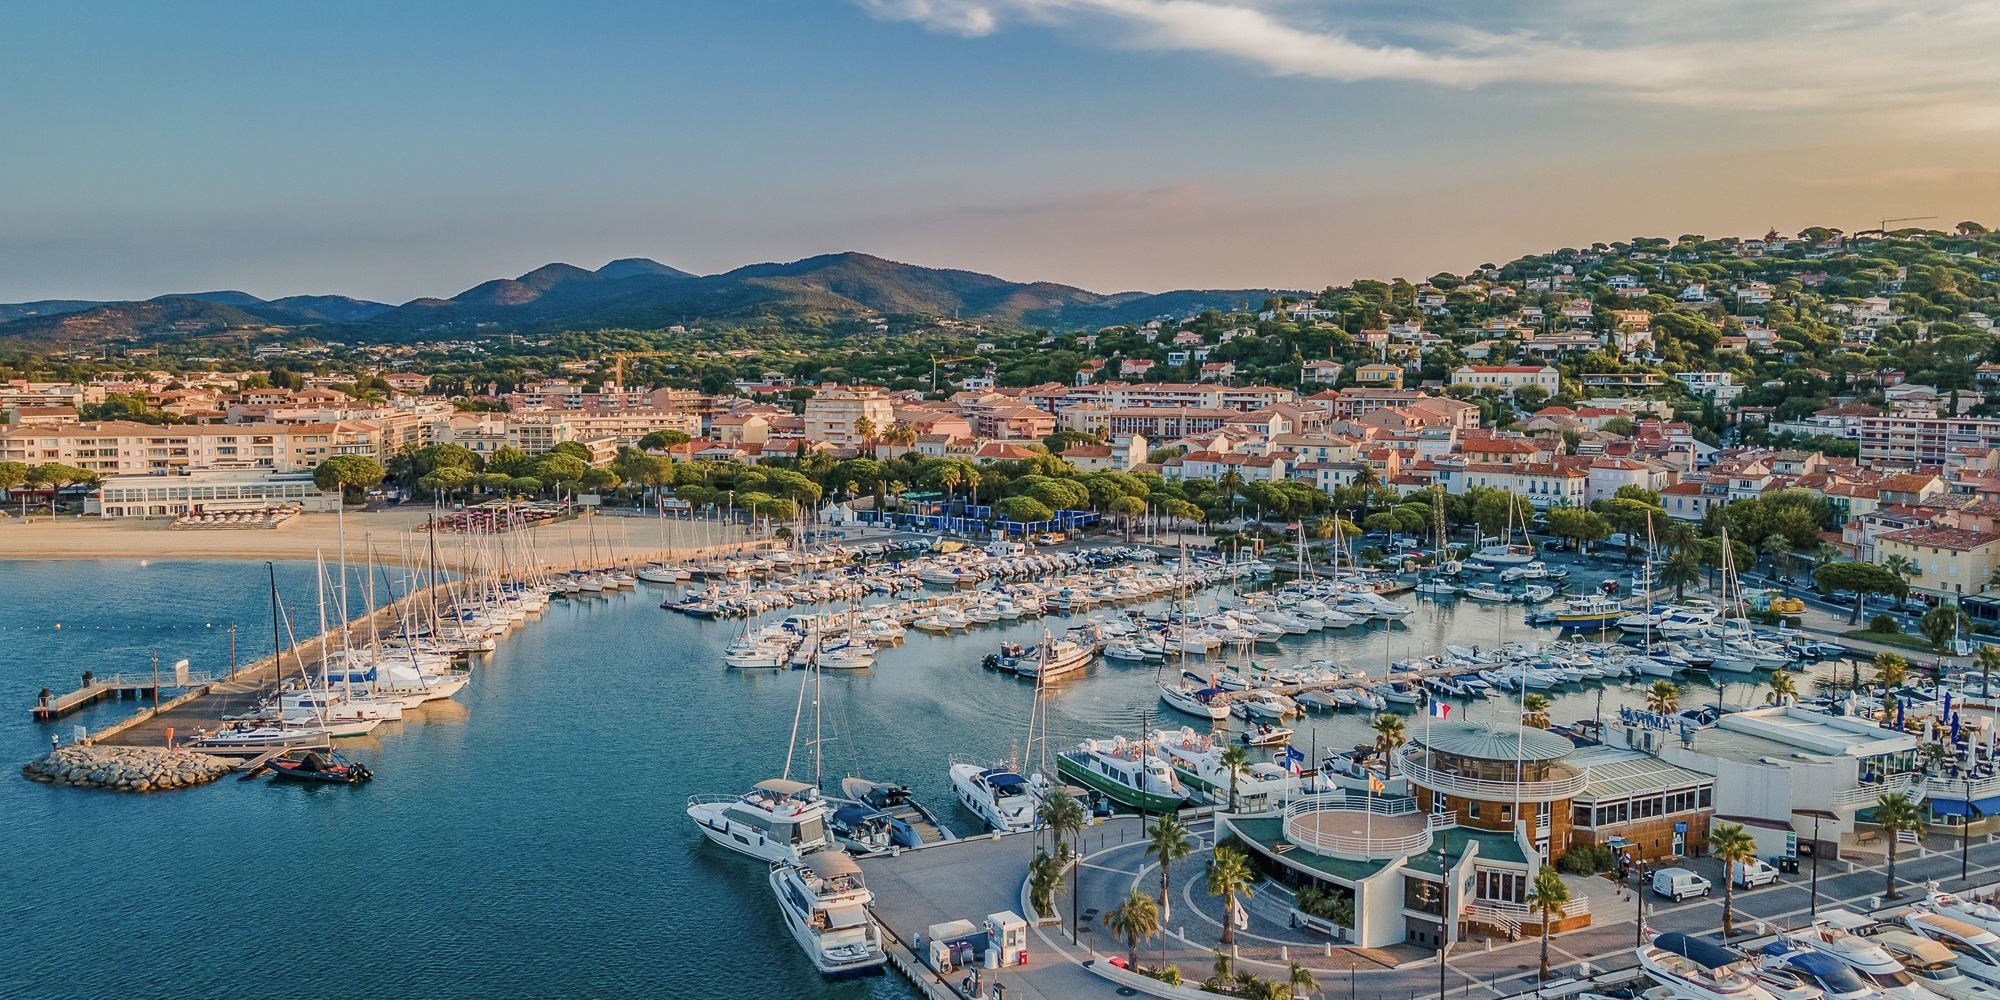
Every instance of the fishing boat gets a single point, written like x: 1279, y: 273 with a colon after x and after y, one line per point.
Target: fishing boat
x: 312, y: 765
x: 1589, y: 612
x: 778, y: 820
x: 825, y: 901
x: 1128, y: 772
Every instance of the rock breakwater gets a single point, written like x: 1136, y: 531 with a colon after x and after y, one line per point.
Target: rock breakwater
x: 126, y: 769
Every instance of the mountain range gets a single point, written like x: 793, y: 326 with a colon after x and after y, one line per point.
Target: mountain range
x: 631, y: 293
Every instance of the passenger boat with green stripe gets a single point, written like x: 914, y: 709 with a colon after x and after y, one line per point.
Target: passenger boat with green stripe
x: 1129, y: 772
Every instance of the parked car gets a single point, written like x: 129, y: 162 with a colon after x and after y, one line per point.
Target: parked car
x: 1679, y: 883
x: 1751, y: 874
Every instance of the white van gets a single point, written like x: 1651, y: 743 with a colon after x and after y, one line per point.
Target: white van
x: 1678, y: 884
x: 1751, y: 874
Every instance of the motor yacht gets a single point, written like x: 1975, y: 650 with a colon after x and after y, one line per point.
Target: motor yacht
x: 1975, y: 951
x: 825, y: 901
x: 999, y: 796
x: 1261, y: 786
x: 1933, y: 965
x: 1835, y: 935
x: 1195, y: 697
x: 778, y: 820
x: 1693, y: 969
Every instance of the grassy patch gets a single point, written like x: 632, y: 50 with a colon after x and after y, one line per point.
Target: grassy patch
x: 1915, y: 642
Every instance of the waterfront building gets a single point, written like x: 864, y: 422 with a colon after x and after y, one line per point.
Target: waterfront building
x: 1639, y: 805
x: 210, y: 492
x: 1497, y: 799
x: 1787, y: 766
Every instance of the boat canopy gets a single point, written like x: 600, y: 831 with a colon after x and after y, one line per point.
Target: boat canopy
x: 780, y: 786
x: 1001, y: 778
x: 1707, y: 954
x: 832, y: 864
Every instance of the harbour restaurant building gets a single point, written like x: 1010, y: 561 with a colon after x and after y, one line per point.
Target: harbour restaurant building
x: 1490, y: 802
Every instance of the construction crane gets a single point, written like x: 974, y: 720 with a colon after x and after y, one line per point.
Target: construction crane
x: 618, y: 362
x: 1886, y: 223
x: 936, y: 361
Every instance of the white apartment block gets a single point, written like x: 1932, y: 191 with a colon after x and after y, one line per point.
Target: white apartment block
x: 123, y: 447
x: 834, y: 410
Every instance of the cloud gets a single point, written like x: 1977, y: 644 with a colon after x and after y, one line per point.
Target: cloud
x: 1838, y: 55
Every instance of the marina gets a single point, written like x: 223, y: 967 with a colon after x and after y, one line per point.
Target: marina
x: 989, y: 710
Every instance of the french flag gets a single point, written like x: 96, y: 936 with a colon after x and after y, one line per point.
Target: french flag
x: 1439, y: 710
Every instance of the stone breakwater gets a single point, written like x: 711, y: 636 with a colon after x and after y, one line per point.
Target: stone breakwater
x: 126, y: 769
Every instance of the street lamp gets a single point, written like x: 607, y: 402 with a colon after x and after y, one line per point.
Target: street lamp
x: 1444, y: 908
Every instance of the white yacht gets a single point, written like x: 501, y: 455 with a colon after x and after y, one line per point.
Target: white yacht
x: 1692, y: 969
x: 1261, y: 786
x: 1833, y: 935
x: 779, y: 820
x: 825, y: 902
x: 1195, y: 698
x: 1976, y: 951
x: 1500, y: 554
x: 997, y: 795
x: 1932, y: 964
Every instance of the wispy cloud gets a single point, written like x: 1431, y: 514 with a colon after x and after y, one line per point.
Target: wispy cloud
x: 1835, y: 55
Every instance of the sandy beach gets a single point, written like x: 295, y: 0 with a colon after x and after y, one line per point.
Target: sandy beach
x: 619, y: 539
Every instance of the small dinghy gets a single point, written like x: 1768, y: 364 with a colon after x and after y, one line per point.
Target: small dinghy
x: 330, y: 767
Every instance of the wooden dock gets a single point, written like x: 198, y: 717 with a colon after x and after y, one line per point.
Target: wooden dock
x: 119, y: 686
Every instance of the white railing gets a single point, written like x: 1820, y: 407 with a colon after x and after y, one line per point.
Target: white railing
x: 1939, y: 786
x: 1566, y: 786
x: 1380, y: 805
x: 1865, y: 795
x: 1500, y: 913
x: 1442, y: 821
x: 1365, y: 846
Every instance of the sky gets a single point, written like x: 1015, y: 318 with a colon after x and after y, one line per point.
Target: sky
x: 394, y: 150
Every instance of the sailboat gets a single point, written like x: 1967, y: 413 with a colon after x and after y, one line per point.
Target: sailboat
x: 1502, y: 553
x: 777, y: 820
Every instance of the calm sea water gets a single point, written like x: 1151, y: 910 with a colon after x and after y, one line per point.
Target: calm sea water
x: 528, y: 838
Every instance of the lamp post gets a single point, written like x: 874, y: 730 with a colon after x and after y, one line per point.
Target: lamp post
x: 1444, y: 907
x: 1965, y: 830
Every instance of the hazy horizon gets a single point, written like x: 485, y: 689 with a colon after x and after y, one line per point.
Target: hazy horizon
x: 390, y: 152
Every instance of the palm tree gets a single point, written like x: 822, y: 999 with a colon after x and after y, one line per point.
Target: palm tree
x: 1230, y: 876
x: 1388, y: 736
x: 1732, y: 845
x: 1681, y: 568
x: 1535, y: 710
x: 1547, y: 896
x: 1896, y: 814
x: 1891, y: 670
x: 1302, y: 981
x: 1061, y: 814
x: 1783, y: 689
x: 1779, y: 548
x: 1131, y: 920
x: 1663, y: 698
x: 1988, y: 657
x: 1367, y: 478
x: 1169, y: 842
x: 864, y: 429
x: 1236, y: 758
x: 1045, y: 879
x: 1677, y: 535
x: 1902, y: 566
x: 1826, y: 553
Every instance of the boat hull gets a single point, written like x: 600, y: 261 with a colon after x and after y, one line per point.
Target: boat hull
x: 1131, y: 798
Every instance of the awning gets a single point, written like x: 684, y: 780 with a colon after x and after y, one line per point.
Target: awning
x: 1956, y: 807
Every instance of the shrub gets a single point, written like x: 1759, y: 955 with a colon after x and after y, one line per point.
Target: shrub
x: 1884, y: 624
x: 1170, y: 975
x: 1587, y: 859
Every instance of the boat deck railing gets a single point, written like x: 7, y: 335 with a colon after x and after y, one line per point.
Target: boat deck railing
x: 1413, y: 762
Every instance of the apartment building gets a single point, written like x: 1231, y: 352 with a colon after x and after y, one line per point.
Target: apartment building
x: 835, y: 411
x: 1508, y: 377
x: 1950, y: 562
x: 124, y: 447
x: 1543, y: 485
x: 1912, y: 440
